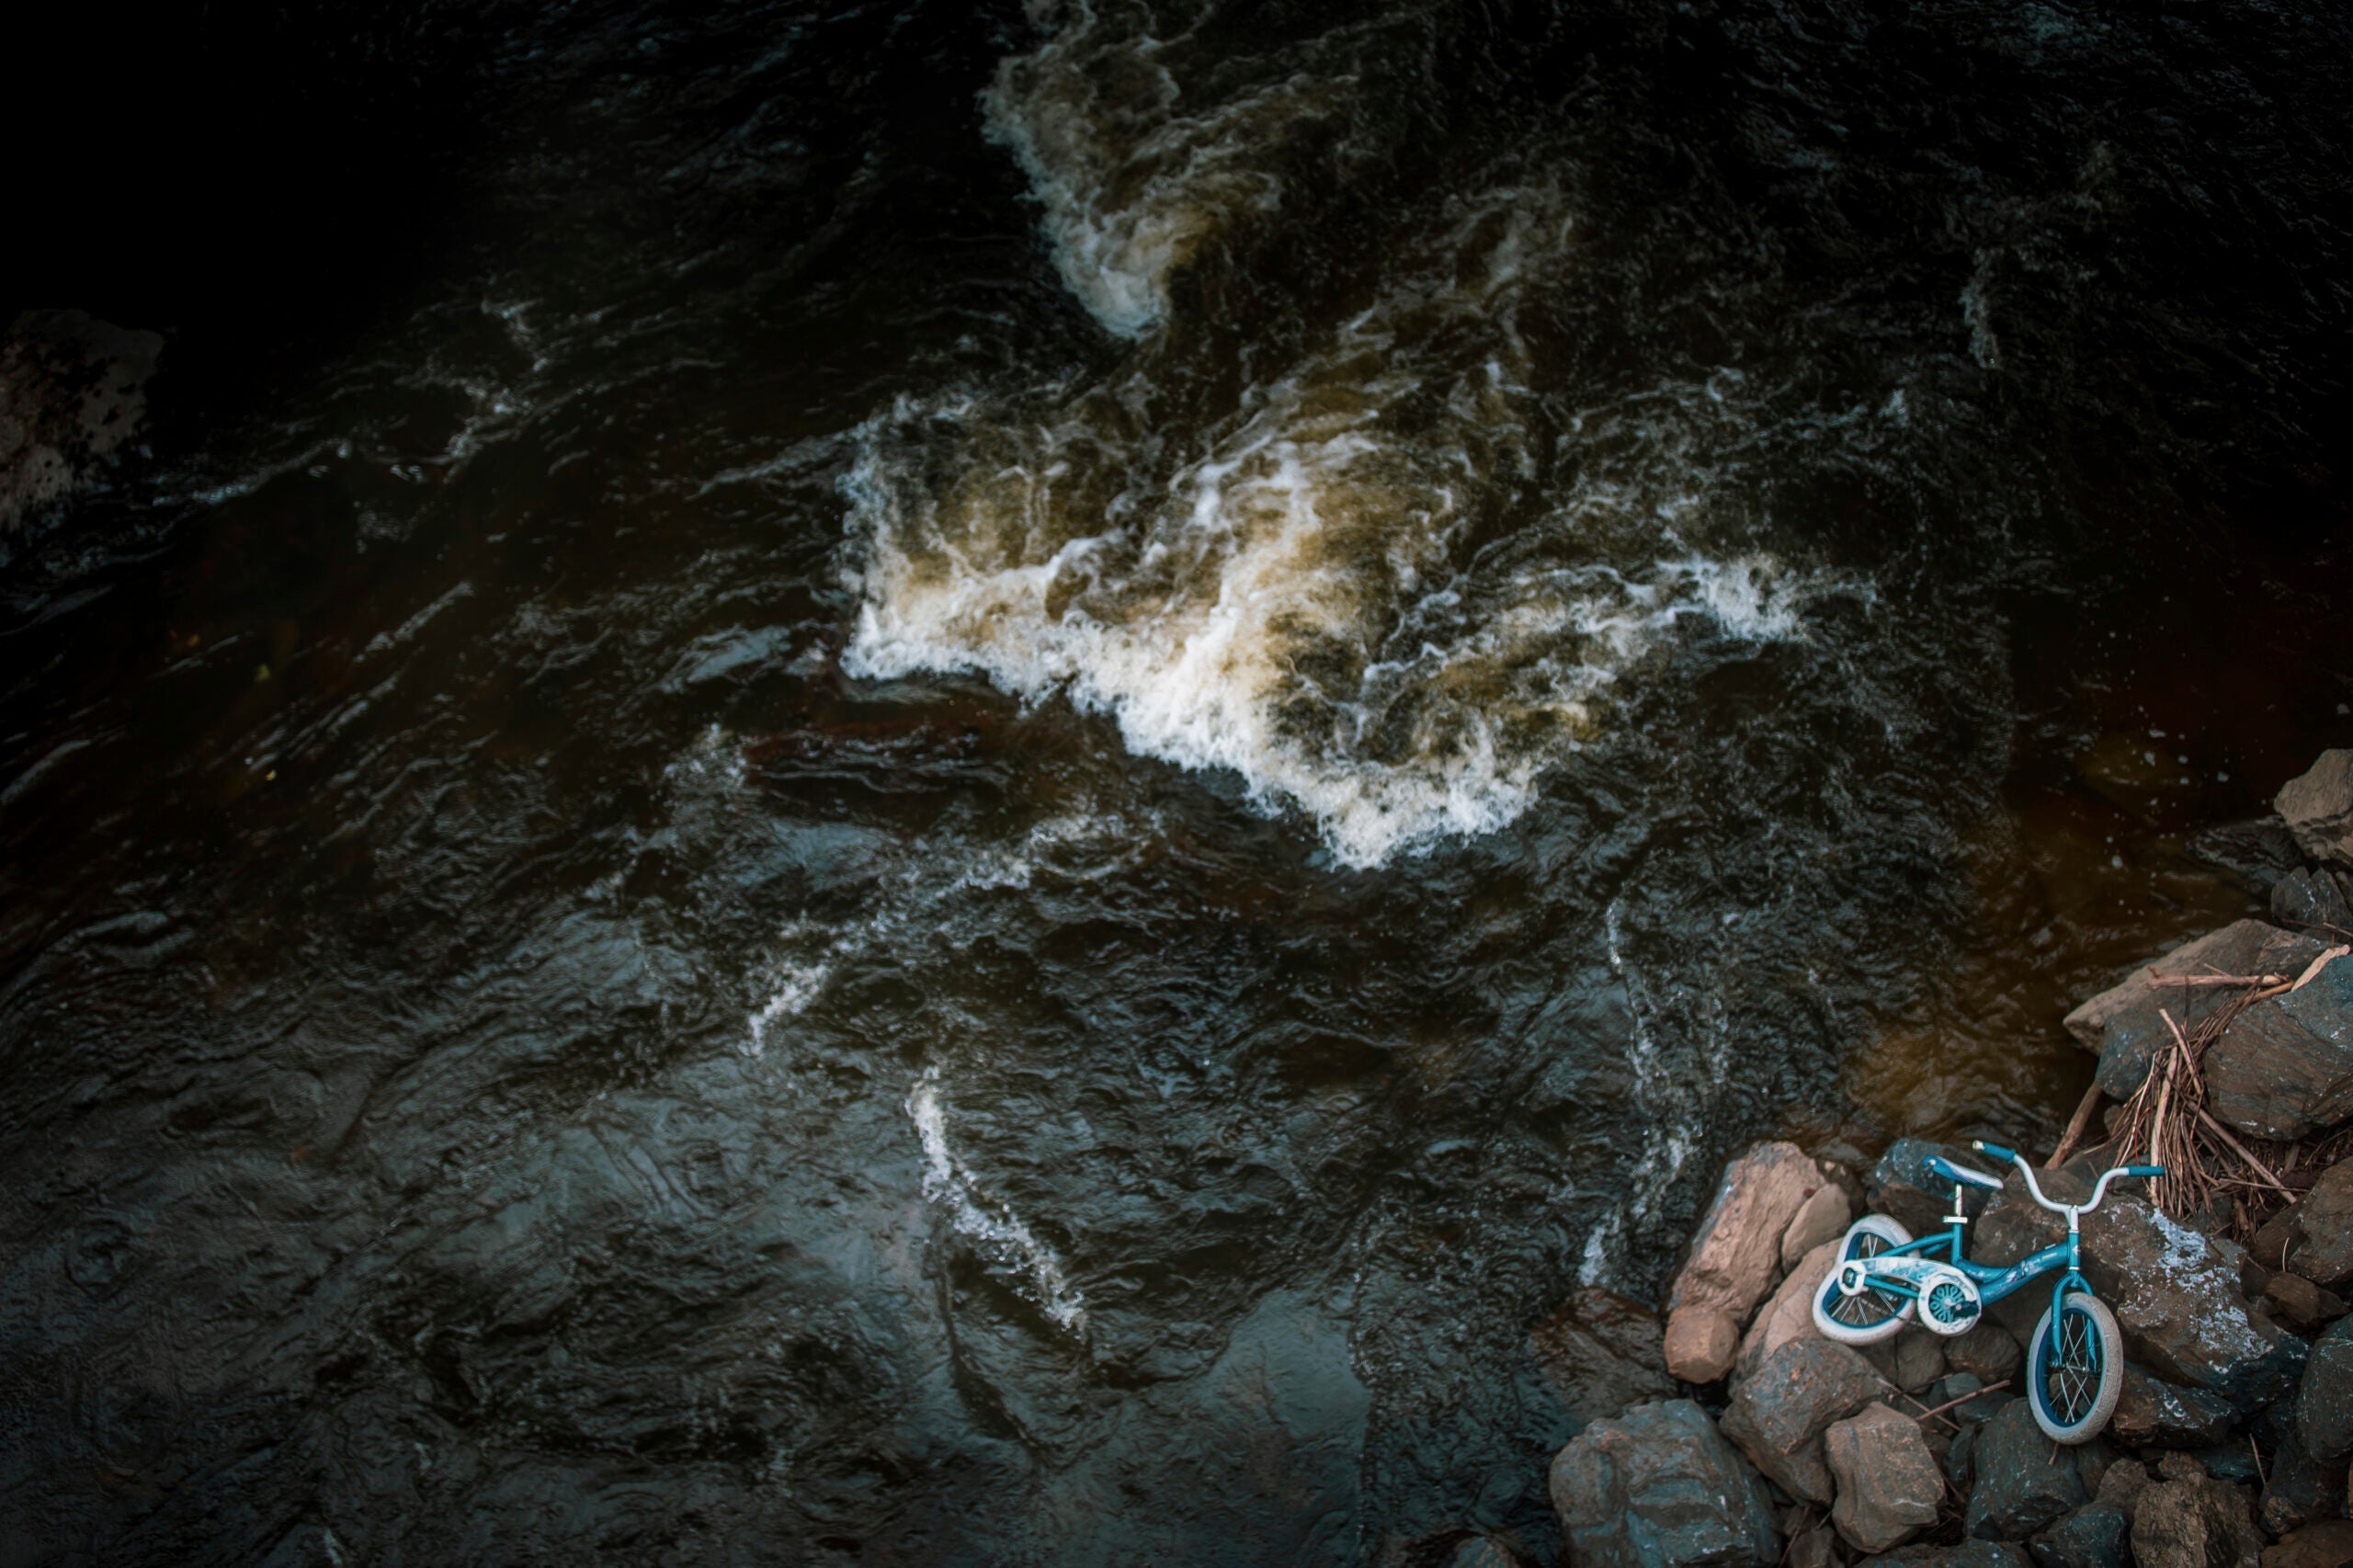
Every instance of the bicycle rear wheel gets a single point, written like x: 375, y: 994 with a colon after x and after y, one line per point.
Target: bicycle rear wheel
x: 2075, y: 1369
x: 1868, y: 1316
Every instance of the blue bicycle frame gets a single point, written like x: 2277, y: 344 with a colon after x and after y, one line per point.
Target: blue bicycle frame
x: 1993, y: 1284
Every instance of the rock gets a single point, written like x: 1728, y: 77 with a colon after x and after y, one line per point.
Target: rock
x: 1821, y: 1218
x: 1812, y: 1548
x: 1959, y: 1460
x: 2175, y: 1292
x: 1968, y: 1554
x: 2019, y: 1491
x: 2097, y: 1535
x: 2154, y: 1413
x: 1701, y: 1344
x: 2303, y: 1304
x: 1788, y: 1313
x: 2325, y: 1544
x: 2313, y: 1240
x: 1736, y: 1257
x: 2324, y: 1400
x: 1952, y: 1386
x: 1658, y: 1487
x: 72, y: 390
x: 2299, y: 1488
x: 1902, y: 1186
x: 2121, y: 1024
x: 2232, y: 1461
x: 2306, y: 899
x: 1987, y: 1353
x: 1888, y: 1483
x: 2194, y: 1524
x: 2317, y: 806
x: 1601, y: 1353
x: 1485, y: 1552
x: 1912, y: 1360
x: 2284, y: 1067
x: 1778, y: 1416
x: 2122, y: 1484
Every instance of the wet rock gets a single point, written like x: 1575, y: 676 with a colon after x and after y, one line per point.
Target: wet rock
x: 2123, y: 1023
x: 1902, y: 1186
x: 2325, y: 1544
x: 2304, y: 1305
x: 1821, y: 1218
x: 1601, y: 1353
x: 2305, y: 899
x: 2256, y: 853
x: 1888, y: 1483
x: 2154, y: 1413
x: 1788, y: 1313
x: 1736, y: 1257
x: 2299, y: 1488
x: 2313, y: 1240
x: 1658, y: 1487
x: 2317, y: 806
x: 1988, y: 1353
x: 2019, y: 1490
x: 2284, y: 1067
x: 2097, y: 1535
x: 2175, y: 1292
x: 1778, y: 1416
x: 2325, y: 1399
x: 2194, y: 1523
x: 72, y: 390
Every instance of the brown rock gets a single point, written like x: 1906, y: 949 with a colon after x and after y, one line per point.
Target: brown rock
x: 1888, y: 1483
x: 1788, y: 1313
x: 2123, y: 1023
x: 2122, y: 1484
x: 2317, y: 806
x: 1821, y: 1218
x: 1987, y: 1353
x: 2327, y: 1544
x: 2194, y: 1523
x: 2304, y: 1304
x: 1736, y: 1251
x: 2284, y: 1067
x: 1778, y: 1416
x: 1702, y: 1342
x: 1659, y: 1488
x: 72, y: 390
x: 1813, y: 1549
x: 2314, y: 1239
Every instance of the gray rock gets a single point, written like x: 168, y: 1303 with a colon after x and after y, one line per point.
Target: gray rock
x: 1888, y: 1483
x: 2232, y: 1461
x: 1968, y: 1554
x: 1952, y: 1386
x: 2194, y: 1524
x: 1912, y: 1360
x: 72, y: 390
x: 2306, y: 899
x: 2299, y: 1488
x: 2097, y: 1535
x: 1902, y: 1186
x: 2154, y: 1413
x: 1736, y: 1257
x: 2317, y: 806
x: 1960, y: 1461
x: 1485, y: 1552
x: 2325, y: 1399
x: 1988, y: 1352
x: 1657, y: 1487
x: 2313, y: 1240
x: 2284, y: 1068
x: 2123, y: 1023
x: 2019, y: 1490
x: 2175, y: 1293
x: 1778, y: 1416
x: 1601, y: 1353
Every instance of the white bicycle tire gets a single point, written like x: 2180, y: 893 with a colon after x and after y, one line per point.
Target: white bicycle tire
x: 1895, y: 1236
x: 2111, y: 1382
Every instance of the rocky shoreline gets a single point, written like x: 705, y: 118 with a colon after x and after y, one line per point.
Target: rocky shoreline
x: 1725, y: 1431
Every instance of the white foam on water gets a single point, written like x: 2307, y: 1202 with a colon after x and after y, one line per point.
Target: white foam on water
x: 947, y: 1182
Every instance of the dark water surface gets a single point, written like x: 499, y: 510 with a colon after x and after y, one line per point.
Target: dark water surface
x: 935, y: 785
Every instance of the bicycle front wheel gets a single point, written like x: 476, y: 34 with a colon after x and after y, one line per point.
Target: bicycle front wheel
x: 2075, y: 1369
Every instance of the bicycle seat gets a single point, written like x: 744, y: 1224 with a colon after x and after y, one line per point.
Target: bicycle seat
x: 1951, y: 1172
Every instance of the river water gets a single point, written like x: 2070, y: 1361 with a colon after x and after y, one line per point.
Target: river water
x: 954, y: 786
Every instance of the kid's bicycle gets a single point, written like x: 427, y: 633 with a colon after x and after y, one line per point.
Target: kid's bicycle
x: 2075, y: 1365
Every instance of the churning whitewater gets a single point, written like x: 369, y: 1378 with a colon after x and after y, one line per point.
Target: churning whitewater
x: 1395, y: 581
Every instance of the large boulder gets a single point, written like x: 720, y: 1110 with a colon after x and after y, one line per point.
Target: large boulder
x: 1778, y: 1416
x: 1902, y: 1186
x: 2324, y: 1400
x: 1788, y: 1313
x: 1888, y: 1482
x: 2177, y: 1294
x: 1821, y: 1218
x: 2154, y: 1413
x: 2194, y: 1522
x: 1736, y: 1257
x: 2123, y: 1023
x: 72, y: 390
x: 2317, y: 806
x: 2326, y: 1544
x: 2308, y: 898
x: 1657, y: 1487
x: 1601, y: 1353
x: 2284, y: 1067
x: 2097, y: 1535
x: 2019, y: 1490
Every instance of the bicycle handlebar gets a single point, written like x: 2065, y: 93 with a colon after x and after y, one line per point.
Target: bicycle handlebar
x: 2099, y: 1188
